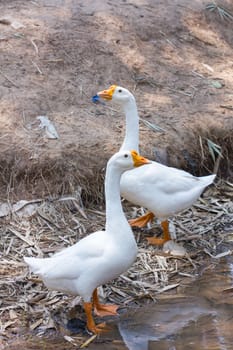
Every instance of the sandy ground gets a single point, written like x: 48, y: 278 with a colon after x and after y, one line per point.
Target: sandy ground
x: 175, y: 56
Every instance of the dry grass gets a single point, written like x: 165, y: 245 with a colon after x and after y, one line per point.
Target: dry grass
x: 55, y: 176
x: 50, y: 178
x: 53, y: 225
x: 223, y: 13
x: 206, y: 151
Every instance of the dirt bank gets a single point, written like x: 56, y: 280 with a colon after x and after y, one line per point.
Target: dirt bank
x: 54, y: 55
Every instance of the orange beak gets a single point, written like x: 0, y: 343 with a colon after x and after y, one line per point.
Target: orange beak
x: 139, y: 160
x: 107, y: 94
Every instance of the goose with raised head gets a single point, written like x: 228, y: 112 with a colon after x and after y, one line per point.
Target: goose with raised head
x: 163, y: 190
x: 99, y: 257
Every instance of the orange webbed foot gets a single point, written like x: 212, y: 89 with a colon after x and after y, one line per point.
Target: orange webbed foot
x: 166, y: 235
x: 99, y: 328
x: 106, y: 310
x: 91, y: 326
x: 142, y: 220
x: 156, y: 241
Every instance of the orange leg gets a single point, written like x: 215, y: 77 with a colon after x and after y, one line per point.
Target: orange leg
x: 90, y: 321
x: 166, y: 235
x: 101, y: 309
x: 142, y: 220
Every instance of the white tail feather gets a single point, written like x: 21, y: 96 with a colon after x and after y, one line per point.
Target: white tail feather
x: 35, y: 264
x: 207, y: 180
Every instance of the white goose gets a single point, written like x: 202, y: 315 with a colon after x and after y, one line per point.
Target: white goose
x: 99, y: 257
x: 163, y: 190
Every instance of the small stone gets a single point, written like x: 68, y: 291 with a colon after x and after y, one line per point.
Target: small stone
x: 216, y: 84
x: 171, y: 247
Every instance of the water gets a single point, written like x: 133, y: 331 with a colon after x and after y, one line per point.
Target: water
x: 198, y: 317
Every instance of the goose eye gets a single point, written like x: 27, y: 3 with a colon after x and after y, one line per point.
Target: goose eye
x: 126, y: 155
x: 119, y: 90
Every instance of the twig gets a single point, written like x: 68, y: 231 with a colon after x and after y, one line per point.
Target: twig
x: 35, y: 46
x: 227, y: 107
x: 88, y: 341
x: 216, y: 165
x: 189, y: 238
x: 198, y: 74
x: 46, y: 218
x: 202, y: 151
x: 37, y: 67
x: 6, y: 77
x: 16, y: 233
x: 183, y: 228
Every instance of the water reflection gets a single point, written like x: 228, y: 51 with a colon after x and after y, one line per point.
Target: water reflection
x: 200, y: 320
x: 198, y: 317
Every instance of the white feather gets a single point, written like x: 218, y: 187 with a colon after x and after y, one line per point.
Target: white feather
x: 161, y: 189
x: 99, y: 257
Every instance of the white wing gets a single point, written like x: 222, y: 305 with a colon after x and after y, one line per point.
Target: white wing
x: 72, y: 261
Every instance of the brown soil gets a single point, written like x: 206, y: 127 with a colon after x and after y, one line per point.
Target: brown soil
x: 169, y: 53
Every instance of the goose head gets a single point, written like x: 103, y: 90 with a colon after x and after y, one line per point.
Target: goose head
x: 117, y: 94
x: 126, y: 160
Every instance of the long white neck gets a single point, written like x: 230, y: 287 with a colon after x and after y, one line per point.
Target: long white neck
x: 131, y: 140
x: 115, y: 217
